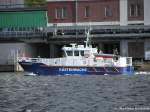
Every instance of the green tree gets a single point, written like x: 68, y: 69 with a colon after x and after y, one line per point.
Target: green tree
x: 35, y: 2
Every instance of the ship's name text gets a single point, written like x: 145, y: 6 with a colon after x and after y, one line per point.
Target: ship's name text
x: 73, y: 69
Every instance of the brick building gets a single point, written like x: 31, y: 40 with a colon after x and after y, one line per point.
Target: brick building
x: 122, y: 24
x: 97, y: 12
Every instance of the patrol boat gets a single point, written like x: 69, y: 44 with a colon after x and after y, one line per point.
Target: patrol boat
x: 79, y: 60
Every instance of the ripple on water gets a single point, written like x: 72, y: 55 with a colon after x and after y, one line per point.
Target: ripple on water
x: 19, y: 93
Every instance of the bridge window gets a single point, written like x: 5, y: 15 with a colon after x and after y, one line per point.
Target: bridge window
x: 82, y: 53
x: 69, y: 53
x: 76, y: 53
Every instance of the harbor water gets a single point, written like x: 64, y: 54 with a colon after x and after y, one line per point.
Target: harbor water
x: 20, y: 93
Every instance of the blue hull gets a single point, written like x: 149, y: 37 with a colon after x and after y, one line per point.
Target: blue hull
x: 42, y: 69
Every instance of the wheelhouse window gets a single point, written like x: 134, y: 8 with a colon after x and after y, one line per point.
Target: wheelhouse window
x: 76, y: 53
x: 87, y: 11
x: 69, y: 53
x: 82, y: 53
x: 61, y: 13
x: 108, y: 11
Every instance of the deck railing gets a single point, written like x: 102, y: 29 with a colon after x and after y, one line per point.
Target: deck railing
x: 14, y: 5
x: 75, y: 62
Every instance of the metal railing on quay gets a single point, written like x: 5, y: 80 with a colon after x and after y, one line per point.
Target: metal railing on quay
x: 21, y: 34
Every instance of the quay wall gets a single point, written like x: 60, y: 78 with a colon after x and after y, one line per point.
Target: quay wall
x: 10, y: 51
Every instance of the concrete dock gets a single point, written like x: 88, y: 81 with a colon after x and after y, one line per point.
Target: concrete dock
x: 10, y: 68
x: 7, y: 68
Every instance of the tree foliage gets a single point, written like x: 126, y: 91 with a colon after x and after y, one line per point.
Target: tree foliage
x: 35, y: 2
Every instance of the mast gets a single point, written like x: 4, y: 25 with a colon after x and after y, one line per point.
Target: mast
x: 87, y: 38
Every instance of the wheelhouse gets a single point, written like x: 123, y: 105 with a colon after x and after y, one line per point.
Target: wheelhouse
x: 78, y: 51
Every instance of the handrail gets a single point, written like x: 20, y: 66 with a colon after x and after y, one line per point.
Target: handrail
x: 11, y: 34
